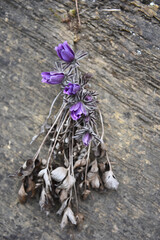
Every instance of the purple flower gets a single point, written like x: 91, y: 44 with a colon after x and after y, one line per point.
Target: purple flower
x: 65, y: 52
x: 86, y: 138
x: 77, y: 110
x: 71, y: 89
x: 52, y: 77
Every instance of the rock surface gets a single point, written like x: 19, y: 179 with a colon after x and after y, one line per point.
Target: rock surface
x: 124, y: 58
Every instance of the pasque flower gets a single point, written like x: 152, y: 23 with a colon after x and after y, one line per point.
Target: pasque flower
x: 77, y: 110
x: 52, y: 77
x: 86, y: 138
x: 65, y: 52
x: 71, y: 89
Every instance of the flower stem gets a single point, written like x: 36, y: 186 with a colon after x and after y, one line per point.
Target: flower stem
x: 87, y: 163
x: 101, y: 119
x: 55, y: 141
x: 59, y: 113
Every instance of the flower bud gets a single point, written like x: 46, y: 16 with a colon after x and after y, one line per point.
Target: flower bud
x: 71, y: 89
x: 52, y: 77
x: 64, y: 52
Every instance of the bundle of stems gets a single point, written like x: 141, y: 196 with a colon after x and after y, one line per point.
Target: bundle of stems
x: 77, y: 160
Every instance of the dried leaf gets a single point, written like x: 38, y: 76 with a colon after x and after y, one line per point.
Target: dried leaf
x: 31, y: 186
x: 59, y: 174
x: 22, y: 195
x: 64, y: 221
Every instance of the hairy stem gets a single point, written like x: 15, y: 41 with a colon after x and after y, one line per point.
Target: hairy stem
x: 71, y: 143
x: 87, y: 163
x: 101, y: 119
x: 109, y: 163
x: 59, y: 113
x: 55, y: 141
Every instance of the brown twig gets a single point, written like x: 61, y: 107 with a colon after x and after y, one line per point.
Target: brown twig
x: 79, y: 21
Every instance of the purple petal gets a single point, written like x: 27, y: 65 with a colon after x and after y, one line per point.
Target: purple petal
x: 67, y: 47
x: 67, y: 90
x: 58, y: 50
x: 44, y: 80
x: 86, y: 138
x: 75, y: 107
x: 45, y: 75
x: 67, y: 56
x: 53, y: 78
x: 74, y: 116
x: 76, y: 88
x: 56, y: 79
x: 84, y: 111
x: 71, y: 89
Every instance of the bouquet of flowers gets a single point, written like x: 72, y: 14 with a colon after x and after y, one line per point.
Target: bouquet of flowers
x: 77, y: 159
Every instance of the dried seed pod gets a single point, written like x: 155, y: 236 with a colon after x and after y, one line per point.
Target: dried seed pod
x: 68, y: 215
x: 110, y: 180
x: 22, y: 195
x: 94, y: 167
x: 31, y: 186
x: 59, y: 174
x: 66, y: 140
x: 44, y: 162
x: 93, y: 178
x: 85, y: 194
x: 57, y: 146
x: 63, y: 206
x: 79, y: 218
x: 64, y: 221
x: 46, y: 201
x: 80, y: 163
x: 63, y: 195
x: 68, y: 182
x: 102, y: 167
x: 42, y: 199
x: 46, y: 176
x: 95, y: 182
